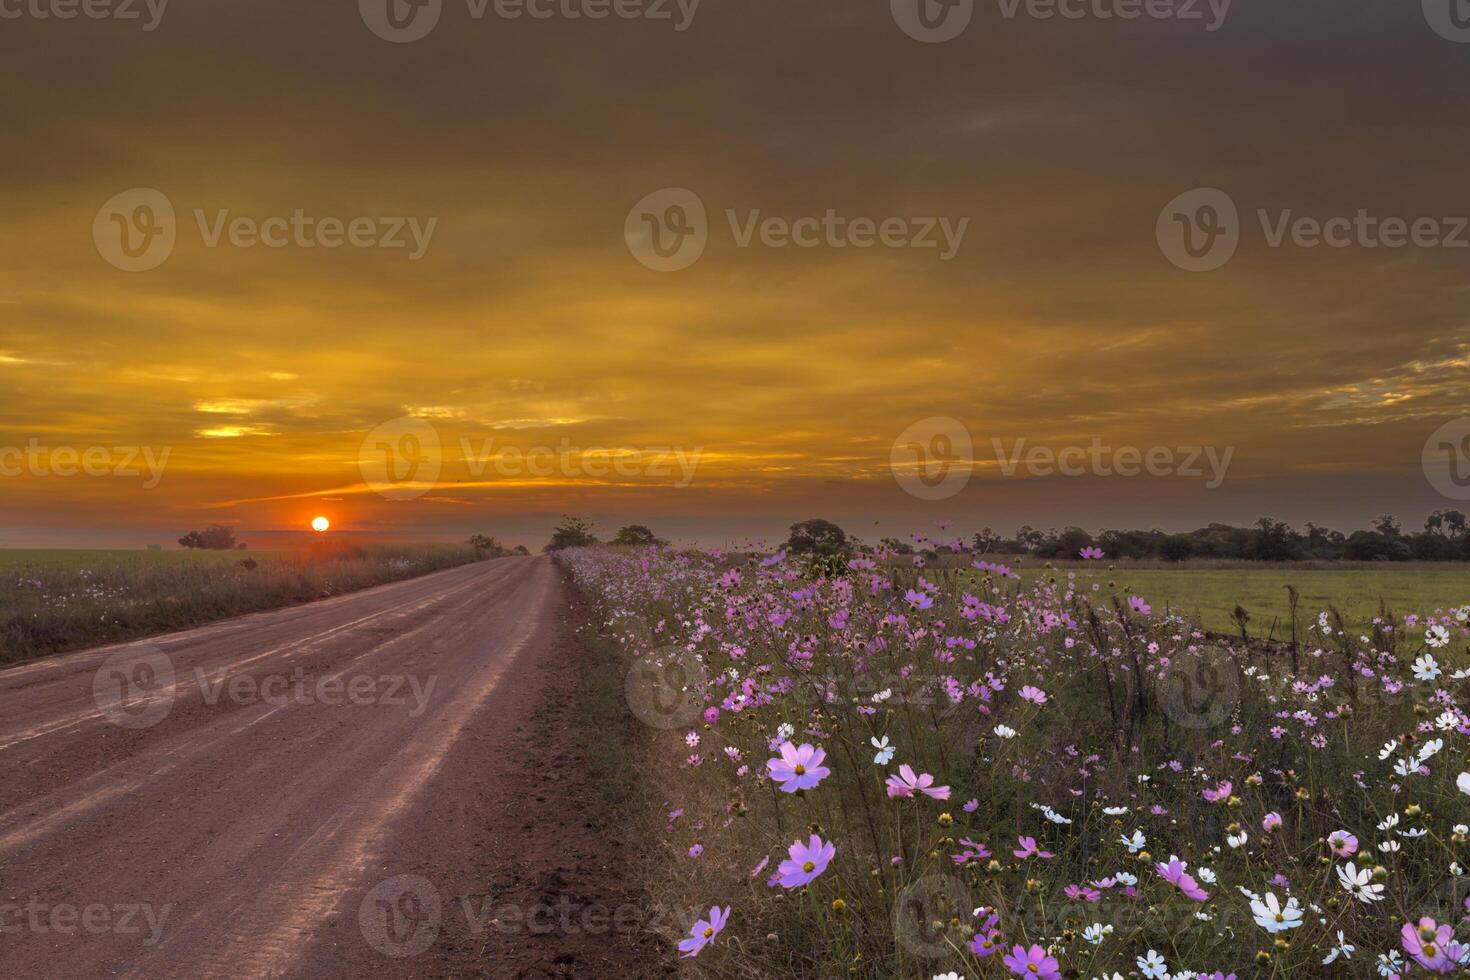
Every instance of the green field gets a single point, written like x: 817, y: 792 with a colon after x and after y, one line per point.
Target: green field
x: 12, y: 559
x: 1210, y: 595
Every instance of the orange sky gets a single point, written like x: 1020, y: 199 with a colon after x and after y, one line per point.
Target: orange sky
x: 786, y: 372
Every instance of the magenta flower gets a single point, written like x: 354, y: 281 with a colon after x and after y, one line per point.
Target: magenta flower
x: 1271, y: 821
x: 1139, y: 606
x: 1033, y: 962
x: 906, y: 784
x: 807, y: 862
x: 798, y: 768
x: 1033, y: 694
x: 1219, y: 793
x: 1028, y: 848
x: 1343, y: 844
x: 1091, y: 554
x: 704, y: 930
x: 919, y: 600
x: 1430, y: 945
x: 987, y: 938
x: 1174, y: 874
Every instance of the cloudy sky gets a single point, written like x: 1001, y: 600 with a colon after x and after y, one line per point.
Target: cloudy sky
x: 363, y: 247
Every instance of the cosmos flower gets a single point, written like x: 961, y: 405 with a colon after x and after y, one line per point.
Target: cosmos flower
x: 1174, y: 873
x: 885, y: 751
x: 1153, y: 966
x: 1427, y: 944
x: 1436, y: 636
x: 807, y: 862
x: 704, y: 930
x: 1271, y: 821
x: 1028, y: 848
x: 1342, y: 843
x: 1033, y: 962
x: 1220, y: 792
x: 906, y: 783
x: 800, y: 767
x: 1359, y: 884
x: 1272, y: 916
x: 1090, y: 554
x: 1033, y: 694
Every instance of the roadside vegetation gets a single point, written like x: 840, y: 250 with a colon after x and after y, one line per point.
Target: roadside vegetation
x: 866, y: 769
x: 57, y: 600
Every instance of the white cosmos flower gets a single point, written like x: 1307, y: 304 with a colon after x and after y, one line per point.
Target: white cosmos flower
x: 1343, y: 949
x: 1390, y: 847
x: 1005, y: 731
x: 885, y: 751
x: 1390, y: 963
x: 1094, y: 934
x: 1206, y: 875
x: 1426, y: 668
x: 1237, y: 840
x: 1359, y: 884
x: 1430, y: 750
x: 1389, y: 822
x: 1447, y: 721
x: 1272, y: 916
x: 1389, y: 748
x: 949, y: 976
x: 1135, y: 844
x: 1115, y: 811
x: 1153, y: 966
x: 1436, y: 636
x: 1464, y: 783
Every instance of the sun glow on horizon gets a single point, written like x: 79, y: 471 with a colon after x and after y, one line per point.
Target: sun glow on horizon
x: 320, y: 524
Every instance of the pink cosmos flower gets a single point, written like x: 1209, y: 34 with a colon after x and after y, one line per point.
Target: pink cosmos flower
x: 1174, y: 873
x: 704, y: 930
x: 1028, y: 848
x: 1271, y: 821
x: 1427, y: 943
x: 906, y: 783
x: 1139, y: 606
x: 1033, y: 694
x: 1343, y: 844
x: 807, y: 862
x: 1033, y: 962
x: 919, y: 600
x: 1091, y: 554
x: 798, y: 768
x: 1219, y: 793
x: 987, y: 938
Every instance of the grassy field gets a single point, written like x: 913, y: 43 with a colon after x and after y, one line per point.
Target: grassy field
x: 1210, y: 594
x: 61, y: 600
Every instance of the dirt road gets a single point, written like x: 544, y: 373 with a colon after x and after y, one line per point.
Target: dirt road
x: 316, y: 791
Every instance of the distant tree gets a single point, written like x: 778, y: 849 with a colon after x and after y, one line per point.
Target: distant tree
x: 1272, y: 540
x: 572, y: 532
x: 897, y: 545
x: 817, y: 536
x: 1176, y: 547
x: 521, y: 549
x: 985, y: 541
x: 1387, y: 525
x: 1449, y: 523
x: 216, y: 537
x: 1029, y: 538
x: 636, y: 535
x: 485, y: 546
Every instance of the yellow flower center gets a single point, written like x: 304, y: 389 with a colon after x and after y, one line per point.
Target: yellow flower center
x: 800, y: 769
x: 1280, y: 917
x: 708, y: 933
x: 1032, y: 967
x: 1430, y: 951
x: 808, y: 866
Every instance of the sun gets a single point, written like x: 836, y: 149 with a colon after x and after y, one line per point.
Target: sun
x: 320, y: 524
